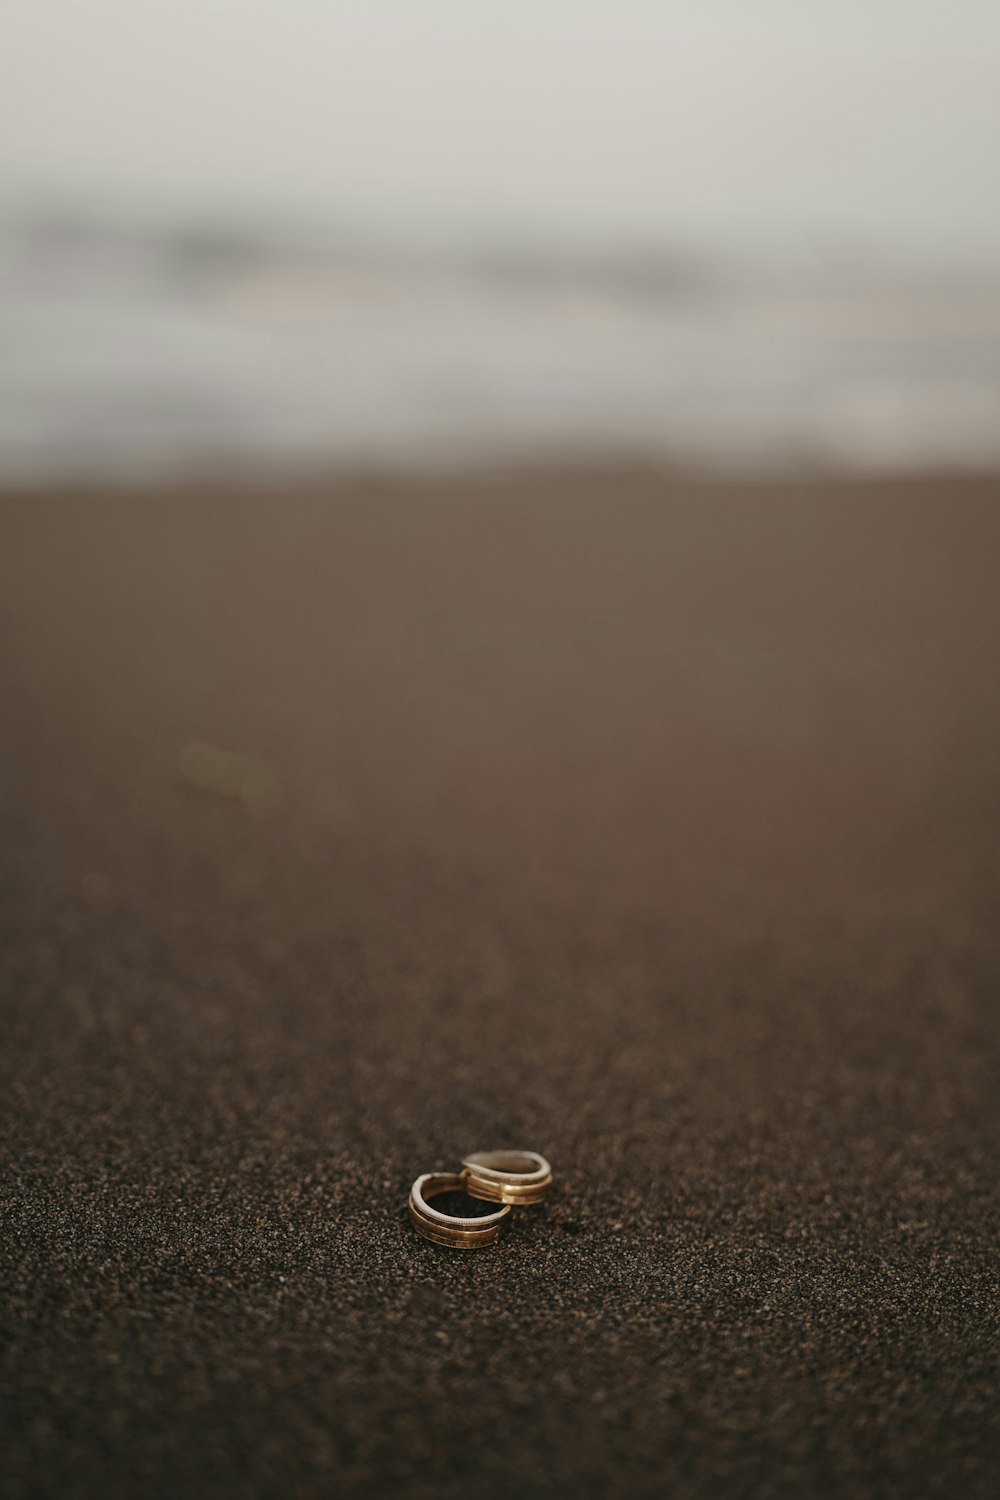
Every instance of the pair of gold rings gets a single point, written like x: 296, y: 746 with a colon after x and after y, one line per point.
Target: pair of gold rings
x: 505, y: 1177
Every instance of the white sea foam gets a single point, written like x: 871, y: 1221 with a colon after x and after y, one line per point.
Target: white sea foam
x: 129, y: 356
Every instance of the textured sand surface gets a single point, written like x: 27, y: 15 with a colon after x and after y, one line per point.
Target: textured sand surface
x: 647, y: 824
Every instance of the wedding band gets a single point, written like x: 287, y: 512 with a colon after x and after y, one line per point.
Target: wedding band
x: 449, y: 1229
x: 507, y: 1176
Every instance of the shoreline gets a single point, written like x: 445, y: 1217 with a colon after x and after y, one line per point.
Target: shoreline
x: 625, y: 468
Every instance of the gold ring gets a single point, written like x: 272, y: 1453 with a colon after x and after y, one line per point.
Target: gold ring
x: 449, y: 1229
x: 507, y: 1176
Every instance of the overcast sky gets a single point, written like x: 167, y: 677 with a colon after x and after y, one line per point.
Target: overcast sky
x: 776, y: 123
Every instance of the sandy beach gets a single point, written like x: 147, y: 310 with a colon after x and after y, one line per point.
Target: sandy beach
x: 647, y: 822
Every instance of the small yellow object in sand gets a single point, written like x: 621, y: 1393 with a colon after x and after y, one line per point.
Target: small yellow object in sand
x: 223, y: 773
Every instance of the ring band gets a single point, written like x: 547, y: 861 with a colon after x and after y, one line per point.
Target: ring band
x: 511, y: 1177
x: 449, y: 1229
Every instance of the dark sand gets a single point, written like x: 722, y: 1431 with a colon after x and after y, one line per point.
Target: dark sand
x: 649, y: 824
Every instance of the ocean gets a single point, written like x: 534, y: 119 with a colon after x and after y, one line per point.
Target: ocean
x: 132, y: 355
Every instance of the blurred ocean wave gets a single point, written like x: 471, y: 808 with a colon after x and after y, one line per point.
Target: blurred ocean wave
x: 144, y: 354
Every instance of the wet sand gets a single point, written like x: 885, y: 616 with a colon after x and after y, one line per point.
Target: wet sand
x: 648, y: 823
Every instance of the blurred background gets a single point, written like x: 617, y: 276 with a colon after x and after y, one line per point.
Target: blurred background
x: 498, y: 647
x: 315, y: 234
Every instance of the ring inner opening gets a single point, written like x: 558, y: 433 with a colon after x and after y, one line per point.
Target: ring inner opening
x: 457, y: 1204
x: 505, y: 1161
